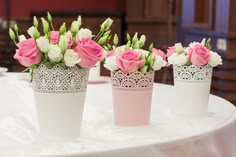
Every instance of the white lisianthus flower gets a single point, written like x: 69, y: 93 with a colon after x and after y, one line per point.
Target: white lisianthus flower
x: 215, y: 59
x: 55, y: 53
x: 144, y: 52
x: 159, y: 63
x: 120, y: 49
x: 43, y: 44
x: 110, y: 63
x: 84, y: 33
x: 30, y: 31
x: 181, y: 59
x: 71, y: 58
x: 192, y: 44
x: 22, y: 37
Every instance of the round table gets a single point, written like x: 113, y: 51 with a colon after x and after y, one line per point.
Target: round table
x: 168, y: 135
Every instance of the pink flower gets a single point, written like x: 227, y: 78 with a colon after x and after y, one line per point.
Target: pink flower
x: 129, y: 61
x: 28, y: 53
x: 159, y: 52
x: 89, y: 52
x: 110, y: 53
x: 199, y: 55
x: 170, y: 51
x: 54, y: 37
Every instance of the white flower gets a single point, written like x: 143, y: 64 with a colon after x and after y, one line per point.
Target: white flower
x: 31, y: 31
x: 178, y: 59
x: 55, y: 53
x: 43, y: 44
x: 120, y: 49
x: 71, y: 58
x: 21, y: 38
x: 215, y: 59
x: 159, y: 63
x: 84, y: 33
x: 110, y: 63
x: 144, y: 52
x: 192, y: 44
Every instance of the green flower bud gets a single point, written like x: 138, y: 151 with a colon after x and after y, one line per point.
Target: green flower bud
x: 135, y: 38
x: 16, y: 28
x: 115, y: 40
x: 203, y: 42
x: 36, y: 33
x: 128, y: 44
x: 74, y: 27
x: 150, y: 47
x: 103, y: 40
x: 178, y: 48
x: 45, y: 26
x: 106, y: 24
x: 107, y: 33
x: 12, y: 34
x: 128, y: 37
x: 36, y: 23
x: 62, y: 29
x: 79, y: 21
x: 142, y: 41
x: 49, y: 17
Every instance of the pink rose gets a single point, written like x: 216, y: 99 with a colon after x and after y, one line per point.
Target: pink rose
x: 110, y: 53
x: 170, y: 51
x: 54, y: 37
x: 28, y: 53
x: 159, y: 52
x: 89, y: 52
x: 129, y: 61
x: 199, y: 55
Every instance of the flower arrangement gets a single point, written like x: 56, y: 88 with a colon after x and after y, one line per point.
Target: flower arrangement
x: 197, y: 53
x: 132, y: 56
x: 73, y: 47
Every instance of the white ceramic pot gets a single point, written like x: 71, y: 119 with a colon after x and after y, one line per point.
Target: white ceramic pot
x: 59, y: 97
x: 192, y: 88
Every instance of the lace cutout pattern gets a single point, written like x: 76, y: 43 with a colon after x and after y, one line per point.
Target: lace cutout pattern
x: 59, y: 80
x: 192, y: 72
x: 132, y: 80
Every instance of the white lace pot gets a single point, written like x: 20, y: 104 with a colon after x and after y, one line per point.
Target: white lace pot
x: 192, y: 88
x: 132, y: 96
x: 59, y: 96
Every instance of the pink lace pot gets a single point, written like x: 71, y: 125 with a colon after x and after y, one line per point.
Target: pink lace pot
x: 132, y: 97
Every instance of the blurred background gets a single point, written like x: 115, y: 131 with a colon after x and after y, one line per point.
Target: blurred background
x: 164, y: 22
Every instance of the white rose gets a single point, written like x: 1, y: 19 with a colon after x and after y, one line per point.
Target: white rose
x: 55, y: 53
x: 84, y: 33
x: 110, y: 63
x: 181, y: 59
x: 31, y: 31
x: 22, y: 37
x: 159, y: 63
x: 215, y: 59
x: 119, y: 50
x: 71, y: 58
x: 43, y: 44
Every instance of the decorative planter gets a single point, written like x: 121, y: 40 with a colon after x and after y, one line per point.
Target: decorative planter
x: 192, y: 88
x: 59, y: 96
x: 132, y: 96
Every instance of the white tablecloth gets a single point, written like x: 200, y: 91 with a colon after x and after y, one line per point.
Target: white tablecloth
x: 168, y: 135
